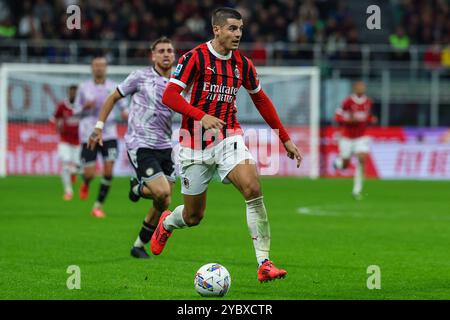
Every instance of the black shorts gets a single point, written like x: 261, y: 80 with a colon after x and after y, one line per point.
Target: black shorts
x: 152, y: 163
x: 109, y: 151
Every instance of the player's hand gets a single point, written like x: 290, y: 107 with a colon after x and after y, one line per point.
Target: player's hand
x: 59, y: 127
x: 94, y: 138
x: 293, y: 152
x: 211, y: 122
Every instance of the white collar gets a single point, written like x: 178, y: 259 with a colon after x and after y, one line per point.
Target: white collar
x: 359, y: 100
x: 216, y: 54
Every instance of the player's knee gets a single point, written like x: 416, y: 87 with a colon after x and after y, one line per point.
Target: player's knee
x: 160, y: 194
x: 362, y: 157
x: 193, y: 220
x: 89, y: 175
x: 252, y: 190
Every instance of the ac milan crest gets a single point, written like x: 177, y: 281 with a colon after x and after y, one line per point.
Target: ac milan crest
x: 237, y: 73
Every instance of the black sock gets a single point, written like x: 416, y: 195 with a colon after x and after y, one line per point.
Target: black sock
x: 146, y: 232
x: 104, y: 188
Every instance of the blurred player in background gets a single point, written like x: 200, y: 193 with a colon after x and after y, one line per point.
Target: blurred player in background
x: 90, y: 97
x: 149, y: 137
x: 354, y: 115
x: 69, y: 145
x: 210, y: 76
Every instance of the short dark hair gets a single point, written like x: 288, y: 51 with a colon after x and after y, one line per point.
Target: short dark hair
x: 73, y: 87
x: 158, y: 41
x: 220, y: 16
x: 99, y: 54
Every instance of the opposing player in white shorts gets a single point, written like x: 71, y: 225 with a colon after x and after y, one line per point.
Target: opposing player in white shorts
x: 354, y: 116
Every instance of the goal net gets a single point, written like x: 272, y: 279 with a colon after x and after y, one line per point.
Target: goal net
x: 29, y: 94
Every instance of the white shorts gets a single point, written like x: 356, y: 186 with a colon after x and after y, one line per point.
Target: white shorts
x: 197, y: 167
x: 348, y: 147
x: 69, y: 153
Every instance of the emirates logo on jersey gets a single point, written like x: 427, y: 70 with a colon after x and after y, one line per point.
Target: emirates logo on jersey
x: 218, y: 92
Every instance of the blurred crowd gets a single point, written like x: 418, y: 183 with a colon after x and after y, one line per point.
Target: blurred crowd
x: 424, y: 22
x: 289, y: 26
x: 268, y: 21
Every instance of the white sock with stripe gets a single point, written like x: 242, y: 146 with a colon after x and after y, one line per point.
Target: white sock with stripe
x: 259, y: 228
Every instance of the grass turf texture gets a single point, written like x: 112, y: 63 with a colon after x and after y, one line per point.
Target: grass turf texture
x: 324, y: 238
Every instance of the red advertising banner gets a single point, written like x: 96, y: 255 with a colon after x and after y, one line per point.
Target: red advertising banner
x: 396, y: 153
x: 32, y: 149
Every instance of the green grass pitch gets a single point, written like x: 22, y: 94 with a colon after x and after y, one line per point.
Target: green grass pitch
x: 324, y: 238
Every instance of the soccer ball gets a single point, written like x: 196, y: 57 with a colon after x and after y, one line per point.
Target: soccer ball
x: 212, y: 279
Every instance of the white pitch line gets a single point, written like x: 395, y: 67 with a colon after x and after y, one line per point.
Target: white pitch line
x: 315, y: 211
x: 329, y: 212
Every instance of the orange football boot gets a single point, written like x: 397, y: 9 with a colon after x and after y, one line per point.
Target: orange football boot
x: 160, y: 236
x: 67, y: 196
x: 84, y: 191
x: 268, y: 272
x: 98, y: 213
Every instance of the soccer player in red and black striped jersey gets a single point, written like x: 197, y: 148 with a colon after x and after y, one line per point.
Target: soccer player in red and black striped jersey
x: 203, y: 88
x: 354, y: 115
x: 69, y: 144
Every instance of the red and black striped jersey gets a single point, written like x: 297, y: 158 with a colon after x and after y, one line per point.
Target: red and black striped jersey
x: 360, y: 110
x: 210, y: 82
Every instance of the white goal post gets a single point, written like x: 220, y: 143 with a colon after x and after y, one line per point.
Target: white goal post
x: 295, y: 92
